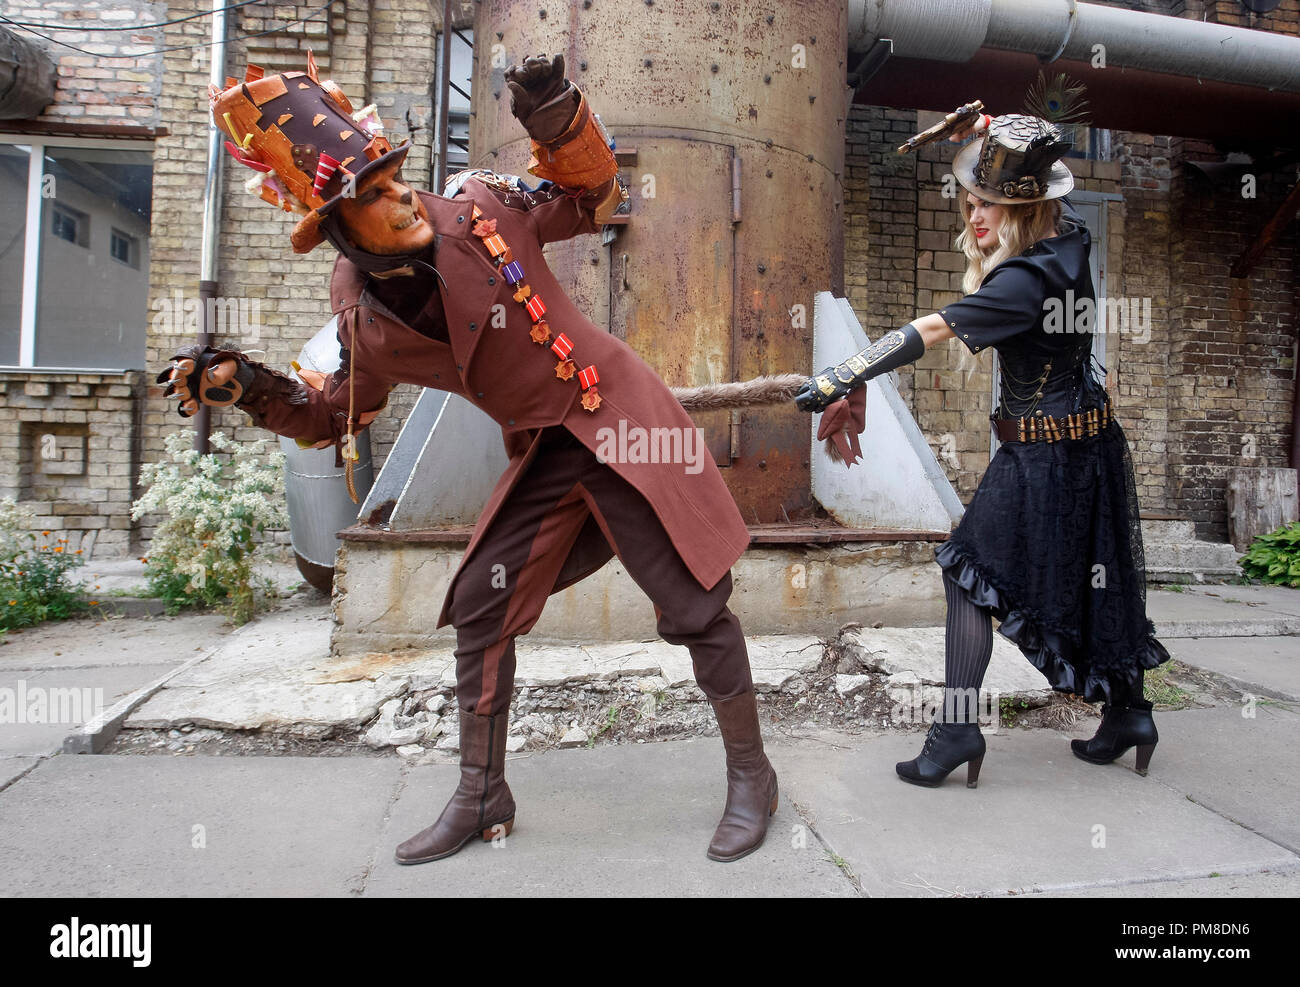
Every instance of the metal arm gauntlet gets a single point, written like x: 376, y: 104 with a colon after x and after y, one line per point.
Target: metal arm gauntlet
x: 894, y: 349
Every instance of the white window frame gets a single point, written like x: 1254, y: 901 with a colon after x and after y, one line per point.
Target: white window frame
x: 37, y: 143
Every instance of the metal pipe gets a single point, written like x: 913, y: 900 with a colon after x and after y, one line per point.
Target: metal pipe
x: 953, y: 30
x: 214, y: 186
x: 440, y: 125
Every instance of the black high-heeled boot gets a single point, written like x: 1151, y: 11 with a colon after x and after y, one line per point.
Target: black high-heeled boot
x: 947, y: 747
x: 1121, y: 727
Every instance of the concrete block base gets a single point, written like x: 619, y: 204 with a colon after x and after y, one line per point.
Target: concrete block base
x: 387, y: 595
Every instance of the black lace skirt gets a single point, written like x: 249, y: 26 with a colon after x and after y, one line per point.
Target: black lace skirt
x: 1051, y: 544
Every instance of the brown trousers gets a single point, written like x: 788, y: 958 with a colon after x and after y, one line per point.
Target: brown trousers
x: 502, y: 589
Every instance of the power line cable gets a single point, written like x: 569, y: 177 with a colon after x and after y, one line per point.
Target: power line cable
x: 48, y: 25
x: 158, y: 51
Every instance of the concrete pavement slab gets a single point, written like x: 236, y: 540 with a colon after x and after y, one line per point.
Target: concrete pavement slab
x: 631, y: 820
x: 119, y: 825
x: 1033, y: 823
x: 920, y: 650
x: 94, y: 641
x: 273, y: 674
x: 12, y: 768
x: 1275, y: 599
x: 1271, y: 884
x: 1263, y: 665
x: 39, y: 709
x: 1246, y: 768
x: 1224, y: 611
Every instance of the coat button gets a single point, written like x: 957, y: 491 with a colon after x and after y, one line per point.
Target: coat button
x: 510, y: 421
x: 480, y: 393
x: 473, y: 326
x: 492, y: 280
x: 459, y: 367
x: 460, y: 219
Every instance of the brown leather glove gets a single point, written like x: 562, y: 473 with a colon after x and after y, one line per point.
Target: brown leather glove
x: 842, y: 423
x: 202, y: 375
x: 541, y: 98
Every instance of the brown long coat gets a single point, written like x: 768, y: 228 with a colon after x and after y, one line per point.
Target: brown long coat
x: 513, y: 379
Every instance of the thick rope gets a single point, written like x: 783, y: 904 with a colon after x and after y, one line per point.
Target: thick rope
x: 776, y: 389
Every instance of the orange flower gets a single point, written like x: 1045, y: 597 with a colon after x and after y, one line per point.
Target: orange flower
x: 13, y: 603
x: 58, y: 548
x: 45, y: 533
x: 94, y: 603
x: 78, y: 551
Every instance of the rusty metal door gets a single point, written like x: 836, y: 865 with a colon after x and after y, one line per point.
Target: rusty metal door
x: 672, y: 270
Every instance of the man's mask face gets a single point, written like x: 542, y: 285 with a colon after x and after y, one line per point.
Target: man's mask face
x: 385, y: 216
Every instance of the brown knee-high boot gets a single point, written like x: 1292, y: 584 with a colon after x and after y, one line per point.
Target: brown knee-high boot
x: 481, y: 805
x: 751, y: 780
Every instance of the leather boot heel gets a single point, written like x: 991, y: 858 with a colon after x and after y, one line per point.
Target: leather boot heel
x: 776, y: 799
x: 1144, y: 757
x: 501, y: 829
x: 973, y: 771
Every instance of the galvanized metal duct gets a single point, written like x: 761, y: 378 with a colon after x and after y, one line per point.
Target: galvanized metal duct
x: 953, y: 30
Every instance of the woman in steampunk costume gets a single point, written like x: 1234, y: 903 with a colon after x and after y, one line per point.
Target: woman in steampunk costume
x: 452, y: 292
x: 1050, y: 543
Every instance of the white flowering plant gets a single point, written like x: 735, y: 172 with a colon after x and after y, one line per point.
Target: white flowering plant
x: 212, y: 505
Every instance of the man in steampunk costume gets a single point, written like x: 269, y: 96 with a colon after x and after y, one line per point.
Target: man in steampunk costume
x: 418, y: 287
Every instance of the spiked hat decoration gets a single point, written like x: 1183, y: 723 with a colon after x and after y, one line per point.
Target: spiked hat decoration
x: 302, y: 138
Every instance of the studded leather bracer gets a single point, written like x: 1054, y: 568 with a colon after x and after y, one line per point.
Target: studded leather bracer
x: 579, y: 157
x: 894, y: 349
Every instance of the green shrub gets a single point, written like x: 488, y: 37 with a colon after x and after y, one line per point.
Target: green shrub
x: 34, y: 580
x: 1275, y: 557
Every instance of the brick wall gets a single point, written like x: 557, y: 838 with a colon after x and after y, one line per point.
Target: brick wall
x: 69, y: 443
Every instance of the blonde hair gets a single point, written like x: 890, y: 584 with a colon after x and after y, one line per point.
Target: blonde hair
x: 1022, y: 224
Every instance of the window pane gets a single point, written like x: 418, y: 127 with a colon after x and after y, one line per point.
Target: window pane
x: 14, y: 161
x: 92, y: 309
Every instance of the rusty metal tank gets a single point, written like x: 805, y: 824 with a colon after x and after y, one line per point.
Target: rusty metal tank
x: 315, y: 490
x: 728, y: 122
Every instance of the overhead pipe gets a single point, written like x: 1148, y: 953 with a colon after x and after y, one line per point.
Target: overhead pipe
x: 953, y: 30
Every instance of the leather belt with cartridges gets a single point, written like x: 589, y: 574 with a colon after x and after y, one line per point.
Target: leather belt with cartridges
x: 1046, y: 428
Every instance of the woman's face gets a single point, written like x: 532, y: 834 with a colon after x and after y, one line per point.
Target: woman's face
x: 985, y: 221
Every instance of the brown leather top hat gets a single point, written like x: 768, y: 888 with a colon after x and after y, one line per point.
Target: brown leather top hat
x: 303, y: 138
x: 1018, y: 160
